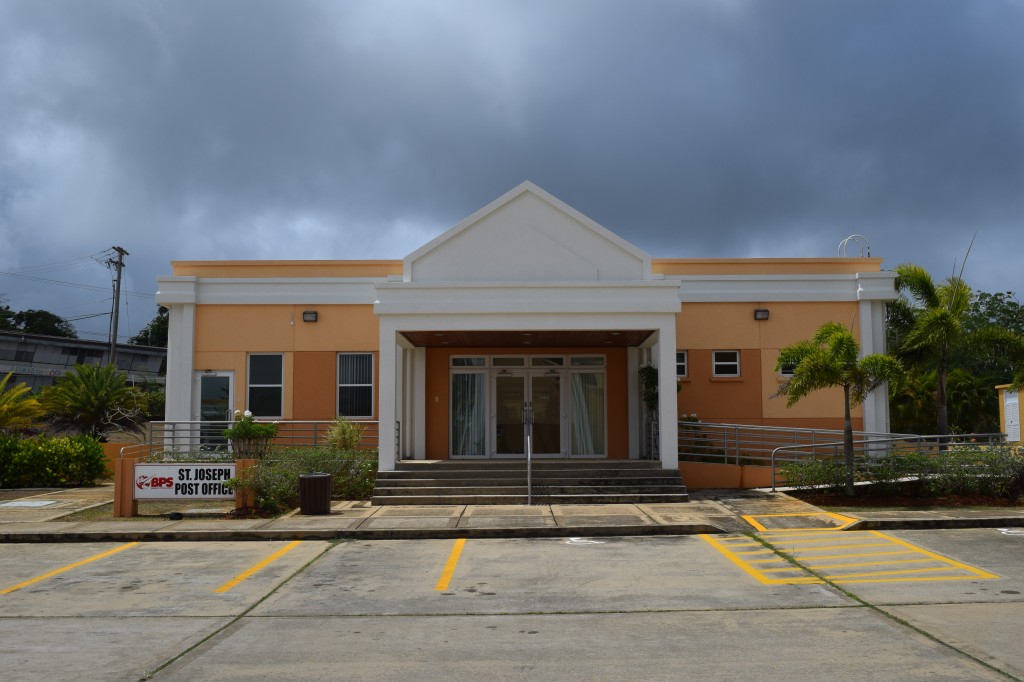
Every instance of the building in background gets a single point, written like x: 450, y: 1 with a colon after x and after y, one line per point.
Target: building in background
x: 38, y: 360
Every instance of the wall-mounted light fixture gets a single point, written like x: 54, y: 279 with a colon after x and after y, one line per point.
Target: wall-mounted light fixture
x: 760, y: 313
x: 309, y: 316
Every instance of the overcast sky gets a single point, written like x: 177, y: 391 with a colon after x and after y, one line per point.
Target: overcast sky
x: 220, y: 129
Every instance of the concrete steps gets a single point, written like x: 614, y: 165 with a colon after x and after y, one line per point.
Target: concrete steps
x: 504, y: 482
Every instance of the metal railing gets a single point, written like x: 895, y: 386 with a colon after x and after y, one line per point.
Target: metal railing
x: 868, y: 450
x: 207, y: 437
x: 744, y: 444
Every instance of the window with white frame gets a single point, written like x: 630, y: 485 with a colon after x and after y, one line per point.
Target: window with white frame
x: 355, y: 385
x: 682, y: 368
x: 787, y: 370
x: 725, y: 363
x: 266, y: 385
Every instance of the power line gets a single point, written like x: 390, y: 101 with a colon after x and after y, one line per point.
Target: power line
x: 84, y: 317
x: 73, y: 284
x: 64, y: 264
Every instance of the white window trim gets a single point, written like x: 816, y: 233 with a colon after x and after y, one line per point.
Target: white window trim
x: 715, y: 362
x: 685, y: 363
x: 339, y: 385
x: 250, y: 385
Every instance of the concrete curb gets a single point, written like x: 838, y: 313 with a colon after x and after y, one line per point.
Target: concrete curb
x: 221, y: 535
x: 936, y: 524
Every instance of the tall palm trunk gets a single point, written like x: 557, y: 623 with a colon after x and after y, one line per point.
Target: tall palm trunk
x: 848, y: 441
x: 941, y: 408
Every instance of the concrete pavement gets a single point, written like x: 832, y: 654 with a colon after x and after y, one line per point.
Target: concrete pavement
x: 37, y: 517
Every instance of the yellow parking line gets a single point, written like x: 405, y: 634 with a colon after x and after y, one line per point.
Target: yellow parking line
x: 771, y: 570
x: 747, y: 568
x: 970, y: 569
x: 258, y: 567
x: 846, y: 537
x: 827, y: 566
x: 857, y: 555
x: 449, y: 568
x: 39, y: 578
x: 844, y: 521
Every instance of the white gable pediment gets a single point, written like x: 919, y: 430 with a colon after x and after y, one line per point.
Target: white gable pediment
x: 527, y: 235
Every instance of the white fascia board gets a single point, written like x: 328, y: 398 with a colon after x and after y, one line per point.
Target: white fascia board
x: 864, y: 286
x: 269, y: 291
x: 499, y: 322
x: 529, y: 298
x: 171, y: 290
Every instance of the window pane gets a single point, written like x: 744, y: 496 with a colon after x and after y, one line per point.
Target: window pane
x: 355, y: 401
x: 726, y: 363
x: 588, y: 361
x: 681, y: 363
x: 508, y: 362
x: 469, y: 362
x: 265, y: 401
x: 546, y: 362
x: 265, y: 369
x: 355, y: 368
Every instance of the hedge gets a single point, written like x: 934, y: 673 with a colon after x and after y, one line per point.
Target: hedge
x: 46, y: 461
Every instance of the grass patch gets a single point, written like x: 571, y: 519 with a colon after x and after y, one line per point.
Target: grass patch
x: 153, y: 509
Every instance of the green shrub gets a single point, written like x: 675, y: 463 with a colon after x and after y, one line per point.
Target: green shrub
x: 997, y: 471
x: 894, y: 472
x: 824, y: 475
x: 345, y: 434
x: 45, y: 461
x: 9, y: 446
x: 275, y: 480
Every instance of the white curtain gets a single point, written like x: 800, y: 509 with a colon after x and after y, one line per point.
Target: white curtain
x: 587, y: 413
x: 469, y: 421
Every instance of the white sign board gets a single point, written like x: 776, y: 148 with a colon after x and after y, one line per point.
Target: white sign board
x: 183, y: 481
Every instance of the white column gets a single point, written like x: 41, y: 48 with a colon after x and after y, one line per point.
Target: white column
x: 636, y: 427
x: 387, y: 396
x: 180, y: 353
x: 400, y: 412
x: 419, y: 402
x: 872, y: 340
x: 668, y: 411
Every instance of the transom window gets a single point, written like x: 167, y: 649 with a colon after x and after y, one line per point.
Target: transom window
x: 355, y: 385
x: 524, y: 361
x: 725, y: 363
x: 266, y: 385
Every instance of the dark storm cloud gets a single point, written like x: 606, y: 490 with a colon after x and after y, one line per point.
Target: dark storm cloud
x: 702, y: 128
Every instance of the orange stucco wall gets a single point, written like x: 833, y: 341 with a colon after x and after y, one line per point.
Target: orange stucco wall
x: 764, y: 266
x: 702, y: 328
x: 438, y: 385
x: 226, y: 334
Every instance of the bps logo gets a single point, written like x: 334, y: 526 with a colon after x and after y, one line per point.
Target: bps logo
x: 143, y: 482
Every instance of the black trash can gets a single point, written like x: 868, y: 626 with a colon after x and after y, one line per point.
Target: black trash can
x: 315, y: 493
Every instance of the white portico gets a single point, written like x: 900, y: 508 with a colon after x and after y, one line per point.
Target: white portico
x: 525, y: 272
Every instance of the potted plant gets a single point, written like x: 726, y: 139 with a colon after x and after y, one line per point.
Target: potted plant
x: 249, y: 438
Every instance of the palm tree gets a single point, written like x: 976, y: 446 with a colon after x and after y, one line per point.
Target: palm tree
x: 933, y: 319
x: 829, y: 360
x: 18, y: 408
x: 94, y: 399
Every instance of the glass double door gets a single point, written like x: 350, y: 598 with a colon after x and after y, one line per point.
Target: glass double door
x: 487, y: 418
x: 543, y: 393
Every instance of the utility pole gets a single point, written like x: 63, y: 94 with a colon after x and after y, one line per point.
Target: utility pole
x: 118, y: 265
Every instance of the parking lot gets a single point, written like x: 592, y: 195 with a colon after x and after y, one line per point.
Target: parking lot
x: 920, y: 605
